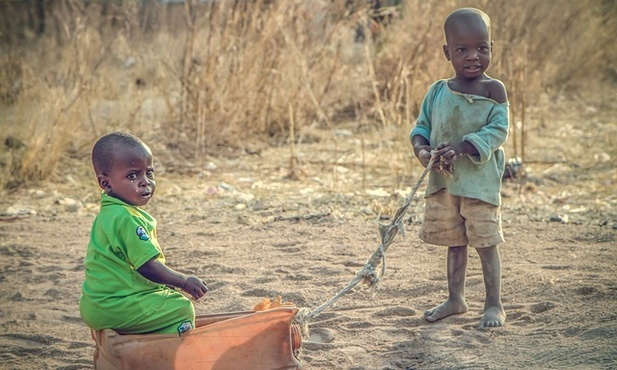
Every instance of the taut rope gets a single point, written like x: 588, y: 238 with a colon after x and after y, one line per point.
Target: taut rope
x: 367, y: 273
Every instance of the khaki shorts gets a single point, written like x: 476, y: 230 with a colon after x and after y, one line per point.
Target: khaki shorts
x: 457, y: 221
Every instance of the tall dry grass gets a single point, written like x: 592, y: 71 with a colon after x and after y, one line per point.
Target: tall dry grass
x: 195, y: 77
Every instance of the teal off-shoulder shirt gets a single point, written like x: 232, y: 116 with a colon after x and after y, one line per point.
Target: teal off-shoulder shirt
x: 447, y: 115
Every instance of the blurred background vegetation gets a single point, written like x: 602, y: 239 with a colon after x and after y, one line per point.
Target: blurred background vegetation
x: 200, y: 77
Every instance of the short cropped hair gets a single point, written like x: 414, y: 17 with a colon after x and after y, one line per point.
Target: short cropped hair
x: 467, y: 14
x: 105, y: 146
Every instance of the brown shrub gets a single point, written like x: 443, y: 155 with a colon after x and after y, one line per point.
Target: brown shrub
x: 195, y: 76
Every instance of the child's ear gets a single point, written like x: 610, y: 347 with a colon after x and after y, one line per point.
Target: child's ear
x: 446, y: 52
x: 104, y: 182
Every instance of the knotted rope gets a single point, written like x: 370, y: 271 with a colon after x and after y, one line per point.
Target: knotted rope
x: 367, y: 274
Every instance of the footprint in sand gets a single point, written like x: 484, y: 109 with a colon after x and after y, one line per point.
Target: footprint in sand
x: 320, y: 339
x: 359, y: 324
x: 395, y: 311
x: 542, y: 307
x: 259, y: 293
x: 587, y: 290
x: 321, y: 336
x: 44, y: 348
x: 288, y: 247
x: 17, y: 250
x: 72, y: 319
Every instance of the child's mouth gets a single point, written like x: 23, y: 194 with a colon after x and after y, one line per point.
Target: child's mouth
x: 473, y: 68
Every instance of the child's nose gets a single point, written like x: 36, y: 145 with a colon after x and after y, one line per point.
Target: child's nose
x: 145, y: 182
x: 473, y: 54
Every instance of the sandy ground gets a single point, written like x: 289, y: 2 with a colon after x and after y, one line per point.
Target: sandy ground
x: 251, y: 232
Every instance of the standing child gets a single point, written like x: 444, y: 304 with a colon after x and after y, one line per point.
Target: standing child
x: 127, y: 286
x: 463, y: 123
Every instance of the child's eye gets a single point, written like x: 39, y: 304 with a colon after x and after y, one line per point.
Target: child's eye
x: 483, y: 49
x: 150, y: 174
x: 459, y: 50
x: 131, y: 176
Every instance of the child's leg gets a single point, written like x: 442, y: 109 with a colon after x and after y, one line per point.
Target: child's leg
x: 494, y: 314
x: 457, y: 266
x: 175, y: 316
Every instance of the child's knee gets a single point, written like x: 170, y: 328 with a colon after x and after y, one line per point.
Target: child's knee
x: 182, y: 308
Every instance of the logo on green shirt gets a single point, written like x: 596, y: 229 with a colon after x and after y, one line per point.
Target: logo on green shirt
x: 184, y: 327
x: 141, y: 233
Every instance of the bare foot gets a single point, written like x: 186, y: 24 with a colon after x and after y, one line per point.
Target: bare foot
x: 494, y: 317
x: 448, y: 308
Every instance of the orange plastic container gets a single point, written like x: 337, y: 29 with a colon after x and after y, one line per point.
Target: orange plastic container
x: 264, y: 340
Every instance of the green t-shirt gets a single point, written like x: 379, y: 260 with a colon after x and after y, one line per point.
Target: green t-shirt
x: 447, y: 115
x: 122, y: 239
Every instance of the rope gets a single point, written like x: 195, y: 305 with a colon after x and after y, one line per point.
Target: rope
x: 367, y: 273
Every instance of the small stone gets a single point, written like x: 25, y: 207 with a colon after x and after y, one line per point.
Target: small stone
x: 244, y: 197
x: 225, y: 186
x: 602, y: 157
x: 19, y: 211
x: 559, y: 218
x: 129, y: 62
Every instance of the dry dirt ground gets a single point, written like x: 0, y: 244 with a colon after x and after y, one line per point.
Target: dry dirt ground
x: 239, y: 222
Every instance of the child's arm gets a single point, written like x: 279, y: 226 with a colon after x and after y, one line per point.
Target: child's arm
x: 158, y: 272
x: 420, y: 134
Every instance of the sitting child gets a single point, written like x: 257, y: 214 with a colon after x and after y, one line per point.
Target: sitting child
x: 127, y: 285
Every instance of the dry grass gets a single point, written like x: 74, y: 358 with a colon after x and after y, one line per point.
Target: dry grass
x: 197, y: 77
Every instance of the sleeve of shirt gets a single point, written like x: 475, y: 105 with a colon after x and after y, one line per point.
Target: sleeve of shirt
x: 423, y: 122
x: 133, y: 237
x: 492, y: 135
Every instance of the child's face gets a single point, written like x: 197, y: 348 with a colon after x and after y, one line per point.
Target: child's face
x: 469, y: 49
x: 131, y: 178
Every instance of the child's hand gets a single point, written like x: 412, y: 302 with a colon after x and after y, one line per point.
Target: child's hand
x: 195, y: 287
x: 449, y: 152
x: 424, y: 155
